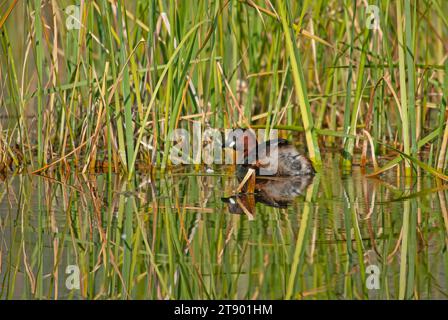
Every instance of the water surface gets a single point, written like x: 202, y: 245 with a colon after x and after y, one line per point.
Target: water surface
x: 185, y: 235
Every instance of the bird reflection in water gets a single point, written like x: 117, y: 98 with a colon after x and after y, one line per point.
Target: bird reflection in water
x: 276, y: 192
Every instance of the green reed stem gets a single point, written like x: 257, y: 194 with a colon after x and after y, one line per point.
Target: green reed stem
x: 404, y: 250
x: 350, y: 142
x: 410, y: 64
x: 299, y: 85
x: 129, y: 130
x: 118, y: 116
x: 39, y: 67
x: 403, y: 91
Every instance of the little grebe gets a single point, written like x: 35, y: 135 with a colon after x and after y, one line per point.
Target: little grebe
x: 276, y: 157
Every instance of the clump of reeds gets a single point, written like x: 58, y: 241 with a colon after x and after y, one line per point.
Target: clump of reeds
x: 113, y: 90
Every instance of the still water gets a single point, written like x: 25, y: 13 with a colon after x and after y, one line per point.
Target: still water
x: 186, y: 235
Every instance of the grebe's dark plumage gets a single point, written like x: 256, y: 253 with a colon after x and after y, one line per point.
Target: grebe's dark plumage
x: 290, y: 161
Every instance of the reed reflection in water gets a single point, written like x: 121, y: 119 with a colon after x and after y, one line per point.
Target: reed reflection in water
x: 172, y: 236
